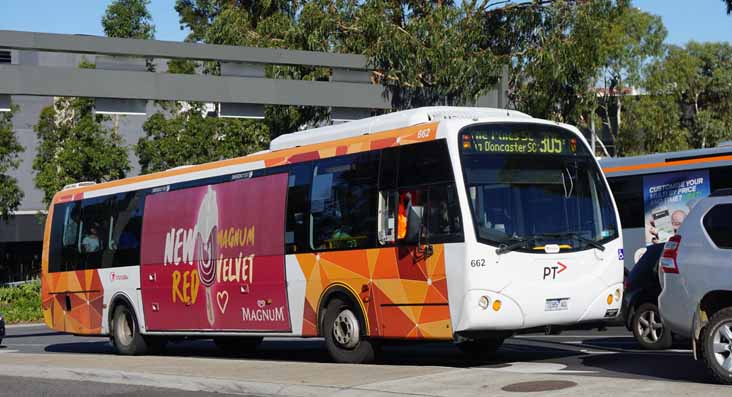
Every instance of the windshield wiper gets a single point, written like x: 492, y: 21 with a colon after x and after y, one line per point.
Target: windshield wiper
x: 577, y: 237
x: 520, y: 243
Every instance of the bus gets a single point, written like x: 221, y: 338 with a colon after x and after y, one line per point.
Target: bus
x: 655, y: 192
x: 439, y: 223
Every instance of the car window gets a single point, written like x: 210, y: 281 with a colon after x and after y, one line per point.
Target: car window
x: 718, y: 224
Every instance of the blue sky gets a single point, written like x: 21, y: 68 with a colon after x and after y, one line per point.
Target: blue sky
x: 700, y: 20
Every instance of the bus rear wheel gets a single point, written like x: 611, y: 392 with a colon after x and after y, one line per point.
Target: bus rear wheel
x: 126, y: 335
x: 344, y: 334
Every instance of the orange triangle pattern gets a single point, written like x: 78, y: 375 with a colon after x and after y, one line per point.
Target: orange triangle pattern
x: 402, y: 294
x: 86, y: 295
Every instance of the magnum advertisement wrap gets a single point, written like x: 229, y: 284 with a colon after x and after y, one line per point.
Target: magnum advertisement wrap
x: 212, y: 257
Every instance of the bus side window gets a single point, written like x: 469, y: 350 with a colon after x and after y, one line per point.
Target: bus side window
x: 64, y: 237
x: 96, y: 222
x: 343, y: 202
x: 298, y: 205
x: 126, y: 230
x: 444, y: 221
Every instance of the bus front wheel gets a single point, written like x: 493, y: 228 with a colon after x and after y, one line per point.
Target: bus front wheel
x: 344, y: 334
x: 126, y: 335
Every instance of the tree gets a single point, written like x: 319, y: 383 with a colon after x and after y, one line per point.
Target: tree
x: 74, y: 146
x: 129, y: 19
x: 424, y: 53
x: 634, y: 39
x: 190, y: 138
x: 10, y: 149
x: 698, y: 78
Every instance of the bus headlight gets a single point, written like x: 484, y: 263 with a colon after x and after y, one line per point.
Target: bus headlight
x: 483, y: 302
x: 617, y: 294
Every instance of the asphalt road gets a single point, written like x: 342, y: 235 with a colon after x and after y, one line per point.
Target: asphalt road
x: 608, y: 354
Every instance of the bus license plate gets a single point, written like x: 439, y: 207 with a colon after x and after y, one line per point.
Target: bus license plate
x: 556, y: 304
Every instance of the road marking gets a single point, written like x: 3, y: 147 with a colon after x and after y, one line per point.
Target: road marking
x: 3, y: 351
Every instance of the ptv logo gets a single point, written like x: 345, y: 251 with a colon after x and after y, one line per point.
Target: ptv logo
x: 552, y: 271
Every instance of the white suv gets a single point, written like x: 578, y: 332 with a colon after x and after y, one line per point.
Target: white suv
x: 696, y: 277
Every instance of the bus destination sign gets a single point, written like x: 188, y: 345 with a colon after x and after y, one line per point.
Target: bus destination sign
x: 518, y: 142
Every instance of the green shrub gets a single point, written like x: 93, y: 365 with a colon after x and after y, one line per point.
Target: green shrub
x: 22, y: 303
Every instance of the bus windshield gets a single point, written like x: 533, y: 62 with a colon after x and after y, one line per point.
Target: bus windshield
x: 535, y: 184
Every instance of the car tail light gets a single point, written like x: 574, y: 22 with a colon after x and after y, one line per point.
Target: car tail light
x: 626, y: 284
x: 670, y: 252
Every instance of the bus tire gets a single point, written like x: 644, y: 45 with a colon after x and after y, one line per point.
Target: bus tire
x: 716, y: 346
x: 126, y: 335
x: 237, y: 345
x: 345, y: 335
x: 480, y: 348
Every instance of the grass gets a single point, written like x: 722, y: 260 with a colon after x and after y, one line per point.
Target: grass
x: 22, y: 303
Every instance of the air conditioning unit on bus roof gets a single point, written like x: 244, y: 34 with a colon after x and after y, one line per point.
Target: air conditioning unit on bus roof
x: 389, y: 121
x: 78, y: 184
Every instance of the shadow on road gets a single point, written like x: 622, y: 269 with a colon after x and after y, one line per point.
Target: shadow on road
x: 661, y: 365
x: 614, y: 357
x: 313, y: 350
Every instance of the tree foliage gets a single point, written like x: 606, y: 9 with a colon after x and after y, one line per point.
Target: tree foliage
x: 129, y: 19
x: 570, y: 60
x: 698, y: 79
x: 10, y: 149
x: 74, y: 146
x: 189, y: 138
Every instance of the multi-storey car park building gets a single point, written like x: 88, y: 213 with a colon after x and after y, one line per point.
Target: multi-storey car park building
x: 21, y: 236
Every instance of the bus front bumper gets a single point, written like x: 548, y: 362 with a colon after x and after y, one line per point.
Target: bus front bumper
x: 485, y: 310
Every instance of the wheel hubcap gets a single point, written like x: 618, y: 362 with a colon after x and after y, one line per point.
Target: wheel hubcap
x: 722, y: 345
x: 346, y: 329
x: 650, y: 327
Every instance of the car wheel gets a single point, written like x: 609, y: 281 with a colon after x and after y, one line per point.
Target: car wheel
x: 238, y: 345
x: 126, y: 335
x: 717, y: 346
x: 480, y: 348
x: 344, y: 334
x: 648, y: 329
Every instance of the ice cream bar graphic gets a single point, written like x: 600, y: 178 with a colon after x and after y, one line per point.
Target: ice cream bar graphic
x: 207, y: 247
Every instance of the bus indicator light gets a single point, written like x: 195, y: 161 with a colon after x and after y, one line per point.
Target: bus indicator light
x: 496, y: 305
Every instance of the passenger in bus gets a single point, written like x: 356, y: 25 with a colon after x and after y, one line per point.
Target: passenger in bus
x: 90, y: 243
x: 405, y: 201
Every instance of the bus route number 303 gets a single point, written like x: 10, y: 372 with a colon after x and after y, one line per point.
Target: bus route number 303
x: 477, y: 262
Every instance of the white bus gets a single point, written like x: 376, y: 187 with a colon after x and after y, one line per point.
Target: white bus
x: 454, y: 224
